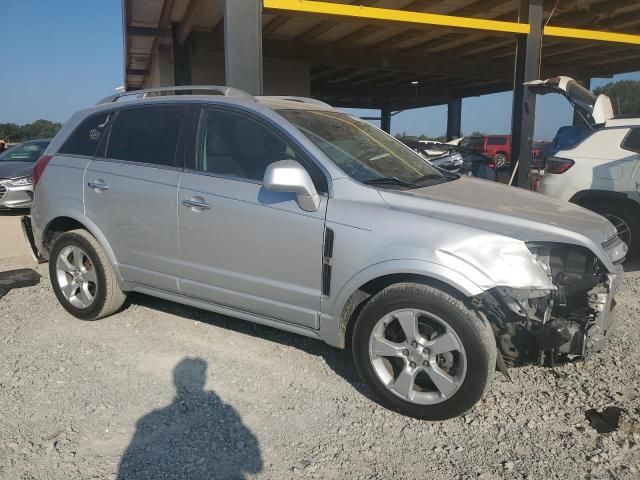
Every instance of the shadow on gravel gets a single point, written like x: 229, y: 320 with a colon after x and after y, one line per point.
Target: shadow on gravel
x: 20, y: 278
x: 606, y: 421
x: 196, y: 437
x: 340, y: 361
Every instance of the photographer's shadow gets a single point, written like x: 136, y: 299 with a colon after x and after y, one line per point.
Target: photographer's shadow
x: 196, y: 437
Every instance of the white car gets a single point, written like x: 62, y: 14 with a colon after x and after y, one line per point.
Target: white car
x: 601, y: 171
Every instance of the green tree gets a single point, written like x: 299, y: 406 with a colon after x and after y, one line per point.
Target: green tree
x: 20, y: 133
x: 625, y: 96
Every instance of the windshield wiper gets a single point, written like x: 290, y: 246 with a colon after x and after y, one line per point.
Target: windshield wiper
x: 445, y: 176
x: 390, y: 181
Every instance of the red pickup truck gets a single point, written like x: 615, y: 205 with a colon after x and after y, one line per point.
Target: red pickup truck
x: 498, y: 147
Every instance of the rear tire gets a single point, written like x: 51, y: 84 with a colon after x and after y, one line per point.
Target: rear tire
x: 82, y: 277
x: 442, y: 385
x: 500, y: 160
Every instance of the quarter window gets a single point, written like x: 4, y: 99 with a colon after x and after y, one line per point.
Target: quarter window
x: 86, y: 137
x: 235, y: 145
x: 146, y: 134
x: 632, y: 140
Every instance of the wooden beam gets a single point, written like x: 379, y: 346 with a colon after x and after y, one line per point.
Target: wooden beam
x: 165, y: 15
x: 275, y: 24
x: 316, y: 30
x: 148, y: 31
x: 359, y: 34
x: 138, y: 71
x: 186, y: 25
x: 363, y: 57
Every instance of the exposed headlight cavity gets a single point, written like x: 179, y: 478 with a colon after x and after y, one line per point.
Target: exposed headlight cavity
x: 541, y: 255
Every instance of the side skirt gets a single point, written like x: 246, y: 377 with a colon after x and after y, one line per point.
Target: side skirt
x: 231, y: 312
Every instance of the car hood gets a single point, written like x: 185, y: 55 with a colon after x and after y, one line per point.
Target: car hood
x: 510, y: 211
x: 15, y: 169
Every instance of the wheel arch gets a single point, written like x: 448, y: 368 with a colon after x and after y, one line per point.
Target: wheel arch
x: 364, y: 285
x: 67, y: 222
x: 587, y: 197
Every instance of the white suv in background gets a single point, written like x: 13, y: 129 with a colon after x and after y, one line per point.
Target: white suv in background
x: 601, y: 172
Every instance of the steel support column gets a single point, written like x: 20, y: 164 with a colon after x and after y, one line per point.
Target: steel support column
x: 524, y: 102
x: 181, y: 60
x: 385, y: 118
x: 243, y: 45
x: 577, y: 119
x: 454, y: 119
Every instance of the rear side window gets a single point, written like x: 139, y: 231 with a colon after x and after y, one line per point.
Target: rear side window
x: 146, y: 134
x: 632, y: 140
x: 86, y: 137
x: 497, y: 141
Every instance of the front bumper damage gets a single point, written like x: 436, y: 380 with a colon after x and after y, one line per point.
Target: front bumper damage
x: 572, y: 320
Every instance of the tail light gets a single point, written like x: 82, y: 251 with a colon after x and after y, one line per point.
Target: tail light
x: 491, y: 165
x: 38, y: 168
x: 558, y: 165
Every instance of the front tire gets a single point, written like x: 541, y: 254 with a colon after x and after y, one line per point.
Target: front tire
x: 82, y: 277
x: 422, y: 352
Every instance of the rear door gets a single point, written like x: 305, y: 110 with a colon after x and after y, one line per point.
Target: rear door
x: 131, y: 193
x: 243, y: 246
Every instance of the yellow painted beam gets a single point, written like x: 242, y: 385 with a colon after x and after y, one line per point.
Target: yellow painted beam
x: 418, y: 18
x: 597, y: 35
x: 389, y: 15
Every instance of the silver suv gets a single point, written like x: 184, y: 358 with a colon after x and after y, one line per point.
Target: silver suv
x: 285, y: 212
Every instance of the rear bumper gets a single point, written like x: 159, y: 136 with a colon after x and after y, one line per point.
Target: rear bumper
x: 27, y: 231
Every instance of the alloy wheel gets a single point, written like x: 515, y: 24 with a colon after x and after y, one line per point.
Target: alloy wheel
x: 417, y: 356
x: 76, y: 277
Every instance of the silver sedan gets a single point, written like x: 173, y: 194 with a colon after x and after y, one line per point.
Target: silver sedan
x: 16, y: 166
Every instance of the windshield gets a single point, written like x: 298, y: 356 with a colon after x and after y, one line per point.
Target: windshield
x: 363, y: 152
x: 27, y: 152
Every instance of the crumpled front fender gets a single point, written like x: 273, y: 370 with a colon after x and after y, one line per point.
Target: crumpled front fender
x: 493, y: 262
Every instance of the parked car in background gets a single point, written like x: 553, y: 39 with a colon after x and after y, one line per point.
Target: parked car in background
x: 539, y: 152
x: 598, y: 166
x: 456, y: 159
x: 325, y: 226
x: 16, y: 167
x: 497, y: 147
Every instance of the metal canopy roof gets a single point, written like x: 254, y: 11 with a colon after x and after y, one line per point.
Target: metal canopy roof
x: 364, y: 62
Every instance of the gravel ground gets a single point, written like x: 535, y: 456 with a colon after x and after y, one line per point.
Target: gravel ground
x: 165, y: 391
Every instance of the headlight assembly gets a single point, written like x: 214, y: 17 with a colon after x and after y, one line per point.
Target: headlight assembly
x: 20, y: 182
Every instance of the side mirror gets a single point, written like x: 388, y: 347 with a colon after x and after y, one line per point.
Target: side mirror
x: 290, y: 176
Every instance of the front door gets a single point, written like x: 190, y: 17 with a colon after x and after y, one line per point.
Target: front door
x: 131, y: 194
x: 243, y: 246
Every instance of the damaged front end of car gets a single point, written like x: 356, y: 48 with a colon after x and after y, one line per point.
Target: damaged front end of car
x: 570, y: 319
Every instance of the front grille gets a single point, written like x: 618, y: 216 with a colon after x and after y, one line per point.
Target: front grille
x: 3, y: 189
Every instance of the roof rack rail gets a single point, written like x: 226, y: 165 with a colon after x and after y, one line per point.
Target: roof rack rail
x: 311, y: 101
x: 220, y: 90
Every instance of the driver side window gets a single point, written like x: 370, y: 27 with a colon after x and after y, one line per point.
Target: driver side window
x: 235, y: 145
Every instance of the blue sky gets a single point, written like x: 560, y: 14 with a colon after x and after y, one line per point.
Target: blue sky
x: 61, y: 56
